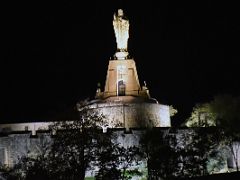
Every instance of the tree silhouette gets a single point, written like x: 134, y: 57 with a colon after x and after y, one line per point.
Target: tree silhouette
x: 77, y: 147
x: 223, y: 112
x: 73, y: 149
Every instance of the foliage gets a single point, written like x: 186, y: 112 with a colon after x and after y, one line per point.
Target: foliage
x: 171, y: 153
x: 73, y: 148
x: 153, y: 147
x: 195, y: 155
x: 115, y: 161
x: 75, y: 144
x: 217, y: 160
x: 129, y: 159
x: 78, y: 146
x: 222, y: 111
x: 9, y: 173
x: 108, y: 159
x: 173, y: 111
x: 201, y: 116
x: 226, y: 108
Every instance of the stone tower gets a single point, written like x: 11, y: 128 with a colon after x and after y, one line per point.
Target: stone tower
x: 124, y: 101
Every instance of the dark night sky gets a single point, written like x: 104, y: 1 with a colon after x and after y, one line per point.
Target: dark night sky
x: 55, y: 53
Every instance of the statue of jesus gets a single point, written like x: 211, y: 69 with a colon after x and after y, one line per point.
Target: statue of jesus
x: 121, y: 27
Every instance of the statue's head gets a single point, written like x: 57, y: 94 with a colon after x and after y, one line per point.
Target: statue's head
x: 120, y: 12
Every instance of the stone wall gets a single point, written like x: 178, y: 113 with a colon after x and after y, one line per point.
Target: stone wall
x: 22, y: 127
x: 135, y: 115
x: 15, y: 145
x: 19, y: 144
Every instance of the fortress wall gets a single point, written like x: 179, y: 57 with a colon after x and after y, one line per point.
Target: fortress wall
x: 14, y: 146
x: 31, y: 126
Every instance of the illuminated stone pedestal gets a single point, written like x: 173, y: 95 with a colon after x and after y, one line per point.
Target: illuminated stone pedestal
x: 122, y: 79
x: 125, y: 102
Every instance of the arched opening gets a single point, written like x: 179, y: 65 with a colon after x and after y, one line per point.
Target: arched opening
x: 121, y: 88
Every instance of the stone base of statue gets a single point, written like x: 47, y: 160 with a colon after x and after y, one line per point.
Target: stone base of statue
x: 121, y: 55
